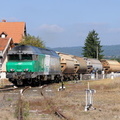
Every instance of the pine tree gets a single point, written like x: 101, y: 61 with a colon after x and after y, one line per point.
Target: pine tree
x: 92, y: 48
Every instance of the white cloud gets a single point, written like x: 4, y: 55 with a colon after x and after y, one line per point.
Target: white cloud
x: 75, y: 34
x: 51, y: 28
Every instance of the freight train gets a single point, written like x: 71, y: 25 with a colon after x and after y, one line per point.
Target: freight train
x: 29, y: 65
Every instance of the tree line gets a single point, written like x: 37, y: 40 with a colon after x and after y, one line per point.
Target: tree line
x: 91, y: 49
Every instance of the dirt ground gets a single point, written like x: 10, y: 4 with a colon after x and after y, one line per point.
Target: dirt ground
x: 7, y: 103
x: 71, y: 102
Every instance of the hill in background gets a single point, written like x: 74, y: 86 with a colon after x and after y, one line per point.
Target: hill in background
x: 110, y: 51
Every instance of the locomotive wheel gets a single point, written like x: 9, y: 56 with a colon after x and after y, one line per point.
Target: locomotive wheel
x: 36, y: 82
x: 29, y: 81
x: 18, y: 82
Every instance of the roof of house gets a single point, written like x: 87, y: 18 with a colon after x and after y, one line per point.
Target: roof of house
x: 14, y: 30
x: 4, y: 42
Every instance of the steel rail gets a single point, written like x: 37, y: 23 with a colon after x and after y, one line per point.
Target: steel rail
x: 20, y: 115
x: 56, y: 112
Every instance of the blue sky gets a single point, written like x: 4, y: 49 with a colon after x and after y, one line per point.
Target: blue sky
x: 66, y: 23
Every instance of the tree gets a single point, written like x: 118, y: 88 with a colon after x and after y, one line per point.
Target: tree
x: 92, y: 48
x: 32, y: 40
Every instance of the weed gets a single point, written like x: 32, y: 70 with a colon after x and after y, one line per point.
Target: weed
x: 9, y: 99
x: 115, y: 109
x: 22, y: 106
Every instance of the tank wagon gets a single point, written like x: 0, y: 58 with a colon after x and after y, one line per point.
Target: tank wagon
x: 68, y: 66
x: 31, y: 65
x: 82, y: 66
x: 72, y: 66
x: 93, y: 65
x: 110, y: 65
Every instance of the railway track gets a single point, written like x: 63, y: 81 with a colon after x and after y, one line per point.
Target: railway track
x: 56, y: 111
x: 21, y: 99
x: 9, y: 95
x: 20, y: 109
x: 8, y: 88
x: 46, y: 99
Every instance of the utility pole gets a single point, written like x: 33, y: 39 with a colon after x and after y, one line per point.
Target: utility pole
x: 97, y: 52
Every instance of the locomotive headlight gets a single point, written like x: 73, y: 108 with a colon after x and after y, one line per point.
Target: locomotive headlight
x: 25, y: 70
x: 12, y: 70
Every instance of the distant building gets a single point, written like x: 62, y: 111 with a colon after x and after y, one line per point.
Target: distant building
x: 14, y: 30
x: 5, y: 45
x: 11, y: 33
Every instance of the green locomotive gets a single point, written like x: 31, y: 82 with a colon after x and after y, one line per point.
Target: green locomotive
x: 32, y: 65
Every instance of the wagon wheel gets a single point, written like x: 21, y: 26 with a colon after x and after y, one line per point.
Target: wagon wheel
x: 57, y: 79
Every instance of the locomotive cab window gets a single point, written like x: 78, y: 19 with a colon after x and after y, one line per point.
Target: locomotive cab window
x: 20, y: 57
x: 26, y: 57
x: 13, y: 57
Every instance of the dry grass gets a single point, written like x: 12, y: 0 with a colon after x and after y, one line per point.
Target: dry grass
x: 6, y: 114
x: 4, y: 82
x: 106, y: 100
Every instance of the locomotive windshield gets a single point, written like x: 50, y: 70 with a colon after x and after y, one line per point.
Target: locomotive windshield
x: 20, y: 57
